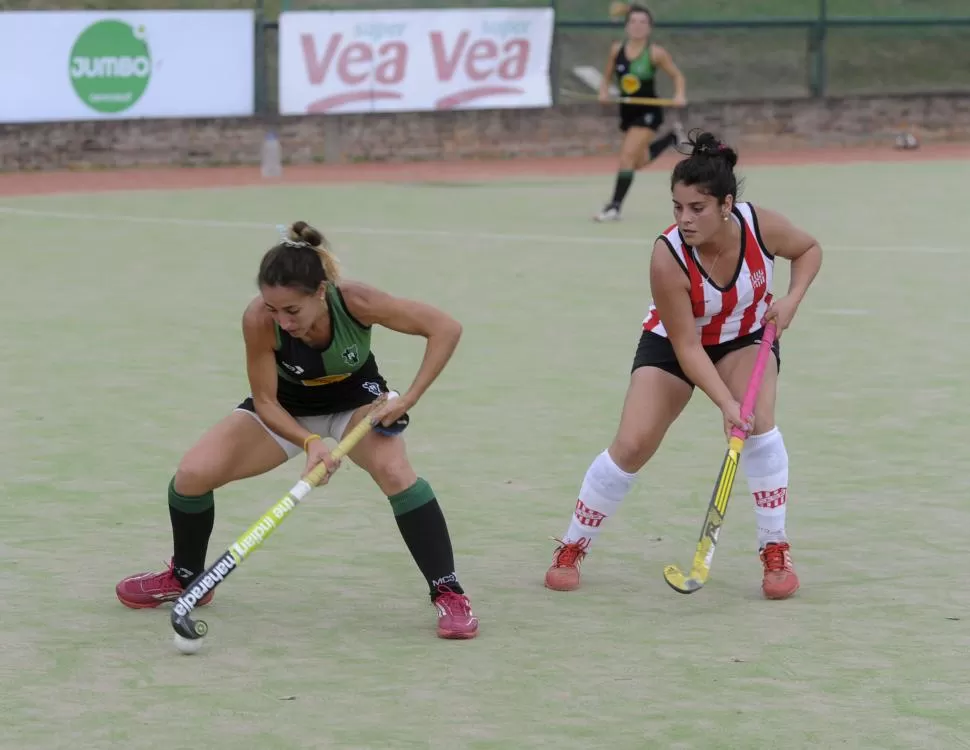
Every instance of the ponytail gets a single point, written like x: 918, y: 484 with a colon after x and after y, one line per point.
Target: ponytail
x: 303, y: 260
x: 300, y: 231
x: 709, y: 165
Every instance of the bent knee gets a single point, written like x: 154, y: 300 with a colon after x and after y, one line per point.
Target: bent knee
x: 762, y: 425
x: 628, y: 162
x: 631, y: 450
x: 393, y: 475
x: 196, y: 476
x: 768, y: 448
x: 764, y: 419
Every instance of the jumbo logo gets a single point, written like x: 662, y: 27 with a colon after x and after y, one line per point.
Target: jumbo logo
x: 371, y: 67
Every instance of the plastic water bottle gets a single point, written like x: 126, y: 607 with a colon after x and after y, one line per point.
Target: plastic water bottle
x: 272, y: 156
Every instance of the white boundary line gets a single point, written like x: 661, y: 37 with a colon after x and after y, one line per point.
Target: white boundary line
x: 843, y: 311
x: 458, y: 234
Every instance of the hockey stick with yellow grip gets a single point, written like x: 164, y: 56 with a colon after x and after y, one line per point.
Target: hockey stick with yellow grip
x: 188, y: 630
x: 640, y: 101
x: 703, y: 556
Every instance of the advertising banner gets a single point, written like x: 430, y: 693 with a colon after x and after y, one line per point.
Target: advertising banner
x: 420, y: 60
x: 93, y: 65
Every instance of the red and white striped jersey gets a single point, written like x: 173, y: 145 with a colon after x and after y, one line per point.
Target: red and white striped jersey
x: 724, y: 314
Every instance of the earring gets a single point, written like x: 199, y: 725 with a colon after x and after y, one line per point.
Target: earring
x: 724, y: 217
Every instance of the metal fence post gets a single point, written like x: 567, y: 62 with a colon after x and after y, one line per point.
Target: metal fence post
x: 259, y: 63
x: 555, y: 60
x: 819, y: 59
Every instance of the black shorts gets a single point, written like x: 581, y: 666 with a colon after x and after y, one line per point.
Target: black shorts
x: 637, y: 116
x: 363, y: 387
x: 657, y: 351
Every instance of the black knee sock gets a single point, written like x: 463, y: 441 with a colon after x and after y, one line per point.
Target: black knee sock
x: 624, y: 179
x: 423, y: 527
x: 662, y: 144
x: 192, y: 521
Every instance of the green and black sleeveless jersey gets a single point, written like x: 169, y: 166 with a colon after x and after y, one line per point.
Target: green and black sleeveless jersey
x: 635, y: 77
x: 336, y: 378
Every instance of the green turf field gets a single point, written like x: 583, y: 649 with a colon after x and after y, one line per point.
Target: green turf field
x: 122, y: 344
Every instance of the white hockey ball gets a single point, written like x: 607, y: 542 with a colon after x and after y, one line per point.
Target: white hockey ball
x: 188, y: 645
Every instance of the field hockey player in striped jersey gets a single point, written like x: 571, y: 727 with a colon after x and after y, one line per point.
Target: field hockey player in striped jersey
x: 711, y: 280
x: 313, y: 375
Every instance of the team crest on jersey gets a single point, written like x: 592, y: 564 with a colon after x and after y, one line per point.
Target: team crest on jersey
x: 758, y: 279
x: 630, y: 84
x: 372, y: 387
x: 350, y: 355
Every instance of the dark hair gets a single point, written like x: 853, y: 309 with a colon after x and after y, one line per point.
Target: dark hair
x: 625, y: 10
x: 302, y: 261
x: 709, y: 165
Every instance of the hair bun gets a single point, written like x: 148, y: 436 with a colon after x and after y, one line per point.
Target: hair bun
x: 619, y: 9
x: 300, y: 231
x: 702, y: 143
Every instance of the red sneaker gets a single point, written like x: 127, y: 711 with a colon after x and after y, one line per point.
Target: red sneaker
x: 780, y: 580
x: 455, y: 617
x: 146, y: 590
x: 563, y: 575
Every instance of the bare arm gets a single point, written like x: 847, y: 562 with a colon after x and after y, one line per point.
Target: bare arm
x: 373, y: 307
x: 670, y: 287
x: 259, y: 335
x: 663, y: 60
x: 785, y: 240
x: 608, y: 71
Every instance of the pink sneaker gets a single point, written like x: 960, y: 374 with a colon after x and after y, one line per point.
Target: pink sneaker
x: 780, y: 580
x: 563, y: 574
x: 455, y: 617
x: 147, y: 590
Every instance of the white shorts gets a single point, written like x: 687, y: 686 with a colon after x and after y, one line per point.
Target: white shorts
x: 332, y: 425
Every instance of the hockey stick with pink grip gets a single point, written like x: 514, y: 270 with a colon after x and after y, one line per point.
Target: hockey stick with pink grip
x: 754, y: 383
x: 704, y: 553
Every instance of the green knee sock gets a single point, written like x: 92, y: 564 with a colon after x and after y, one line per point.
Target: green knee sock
x: 192, y: 521
x: 422, y: 525
x: 624, y: 179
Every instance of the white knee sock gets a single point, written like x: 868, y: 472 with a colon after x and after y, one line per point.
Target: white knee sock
x: 765, y: 464
x: 604, y: 487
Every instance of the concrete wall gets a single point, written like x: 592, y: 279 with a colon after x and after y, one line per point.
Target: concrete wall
x: 573, y: 129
